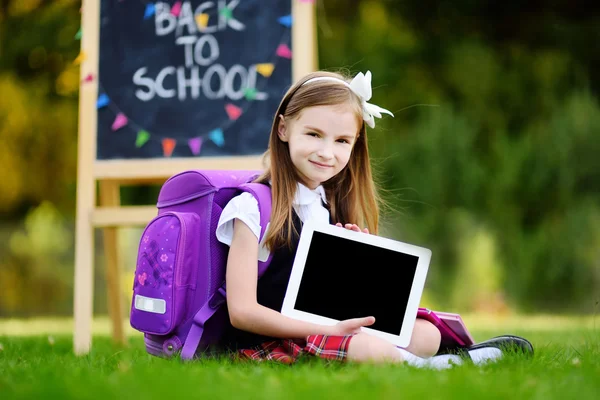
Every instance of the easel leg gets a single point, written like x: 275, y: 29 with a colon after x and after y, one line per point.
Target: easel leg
x: 110, y: 197
x: 84, y: 267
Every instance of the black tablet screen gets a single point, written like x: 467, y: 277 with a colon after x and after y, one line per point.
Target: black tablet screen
x: 345, y: 279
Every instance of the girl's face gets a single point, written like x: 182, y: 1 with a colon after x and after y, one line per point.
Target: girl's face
x: 320, y: 140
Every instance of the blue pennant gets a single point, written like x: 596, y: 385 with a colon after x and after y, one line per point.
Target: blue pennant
x: 217, y: 137
x: 102, y: 101
x: 150, y: 9
x: 286, y: 20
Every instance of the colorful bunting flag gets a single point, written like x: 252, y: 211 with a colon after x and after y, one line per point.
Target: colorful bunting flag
x: 250, y: 94
x: 119, y: 122
x: 216, y: 136
x: 195, y: 145
x: 88, y: 78
x: 286, y: 20
x: 202, y: 21
x: 141, y: 139
x: 284, y: 51
x: 233, y: 111
x: 226, y: 13
x: 78, y: 34
x: 168, y: 146
x: 149, y: 11
x: 265, y: 69
x: 176, y: 9
x: 102, y: 101
x: 80, y: 58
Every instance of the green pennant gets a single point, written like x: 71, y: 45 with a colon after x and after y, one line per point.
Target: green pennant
x: 78, y: 34
x: 250, y: 94
x: 142, y: 138
x: 226, y: 13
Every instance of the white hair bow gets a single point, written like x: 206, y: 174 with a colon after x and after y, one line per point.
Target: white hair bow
x: 361, y: 86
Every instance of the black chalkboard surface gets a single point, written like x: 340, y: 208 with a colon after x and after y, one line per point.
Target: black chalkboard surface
x: 190, y: 78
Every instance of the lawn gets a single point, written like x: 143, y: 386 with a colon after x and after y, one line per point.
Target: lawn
x: 36, y: 361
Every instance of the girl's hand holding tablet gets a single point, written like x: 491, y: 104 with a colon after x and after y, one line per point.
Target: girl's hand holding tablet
x: 352, y: 227
x: 351, y: 326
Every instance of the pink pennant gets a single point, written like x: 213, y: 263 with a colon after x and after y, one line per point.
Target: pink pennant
x: 120, y: 121
x: 88, y: 78
x: 233, y: 111
x: 284, y: 51
x: 195, y: 145
x: 176, y: 9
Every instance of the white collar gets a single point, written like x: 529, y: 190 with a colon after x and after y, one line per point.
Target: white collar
x: 305, y: 196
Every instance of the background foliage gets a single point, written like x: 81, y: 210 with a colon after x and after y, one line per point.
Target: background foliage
x: 491, y: 159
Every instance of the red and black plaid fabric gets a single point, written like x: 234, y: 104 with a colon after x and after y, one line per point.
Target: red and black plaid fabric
x: 287, y: 351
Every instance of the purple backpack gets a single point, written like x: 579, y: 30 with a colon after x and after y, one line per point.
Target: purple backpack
x: 179, y: 283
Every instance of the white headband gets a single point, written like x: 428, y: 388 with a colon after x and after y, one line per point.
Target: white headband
x: 361, y: 86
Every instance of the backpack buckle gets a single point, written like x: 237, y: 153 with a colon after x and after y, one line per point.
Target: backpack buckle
x: 218, y: 298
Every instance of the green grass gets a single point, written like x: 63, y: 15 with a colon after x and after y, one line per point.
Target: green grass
x: 566, y: 365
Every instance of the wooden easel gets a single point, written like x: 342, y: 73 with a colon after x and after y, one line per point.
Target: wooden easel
x: 110, y: 175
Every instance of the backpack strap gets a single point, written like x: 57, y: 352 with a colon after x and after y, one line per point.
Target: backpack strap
x: 262, y: 193
x: 202, y: 316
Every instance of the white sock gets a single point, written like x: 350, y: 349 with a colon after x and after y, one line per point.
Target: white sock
x: 444, y: 361
x: 485, y: 354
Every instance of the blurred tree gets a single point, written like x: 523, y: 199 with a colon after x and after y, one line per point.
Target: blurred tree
x: 491, y: 159
x: 496, y: 122
x: 38, y: 108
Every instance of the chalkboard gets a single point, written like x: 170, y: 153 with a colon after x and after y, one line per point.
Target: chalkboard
x: 190, y: 78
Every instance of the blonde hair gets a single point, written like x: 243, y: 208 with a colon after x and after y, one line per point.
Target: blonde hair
x: 352, y: 194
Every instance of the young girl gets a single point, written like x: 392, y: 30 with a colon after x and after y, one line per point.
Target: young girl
x: 318, y: 167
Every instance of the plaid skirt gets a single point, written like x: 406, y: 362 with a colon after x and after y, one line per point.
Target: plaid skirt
x: 287, y: 351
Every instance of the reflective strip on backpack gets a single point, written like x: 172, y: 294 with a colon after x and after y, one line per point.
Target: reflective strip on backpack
x: 148, y: 304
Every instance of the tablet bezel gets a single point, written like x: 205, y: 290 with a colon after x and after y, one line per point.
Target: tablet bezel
x: 402, y: 339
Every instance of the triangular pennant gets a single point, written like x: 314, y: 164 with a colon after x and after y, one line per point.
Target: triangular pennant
x: 202, y: 20
x: 141, y: 139
x: 195, y: 145
x: 284, y: 51
x: 149, y: 11
x: 102, y: 101
x: 250, y: 94
x: 286, y: 20
x: 226, y: 13
x: 80, y: 58
x: 216, y: 136
x: 265, y: 69
x: 176, y: 9
x: 78, y: 34
x: 88, y: 78
x: 233, y: 111
x: 168, y: 146
x: 119, y: 122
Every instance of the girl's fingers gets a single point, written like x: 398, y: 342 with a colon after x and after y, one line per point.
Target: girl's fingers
x: 352, y: 227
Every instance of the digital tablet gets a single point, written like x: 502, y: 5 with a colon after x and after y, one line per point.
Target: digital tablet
x: 340, y: 274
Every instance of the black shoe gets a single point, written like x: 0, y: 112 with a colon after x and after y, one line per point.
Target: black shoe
x: 506, y: 343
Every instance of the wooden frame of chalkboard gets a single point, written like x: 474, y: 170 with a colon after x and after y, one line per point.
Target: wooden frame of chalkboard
x: 108, y: 164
